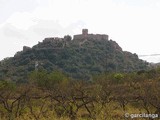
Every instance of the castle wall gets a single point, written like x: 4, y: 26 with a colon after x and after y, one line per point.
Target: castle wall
x: 91, y: 36
x: 52, y: 39
x: 97, y: 37
x: 78, y: 37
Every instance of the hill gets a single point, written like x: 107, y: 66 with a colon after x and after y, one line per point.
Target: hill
x: 80, y: 58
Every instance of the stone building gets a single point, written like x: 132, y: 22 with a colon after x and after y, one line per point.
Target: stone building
x: 85, y: 32
x: 85, y: 35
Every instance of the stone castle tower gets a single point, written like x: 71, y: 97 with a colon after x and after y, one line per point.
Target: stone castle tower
x: 85, y: 32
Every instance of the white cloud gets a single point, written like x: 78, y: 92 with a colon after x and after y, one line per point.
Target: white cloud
x: 22, y: 20
x: 11, y: 32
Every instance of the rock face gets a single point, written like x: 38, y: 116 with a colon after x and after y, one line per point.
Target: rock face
x: 85, y: 35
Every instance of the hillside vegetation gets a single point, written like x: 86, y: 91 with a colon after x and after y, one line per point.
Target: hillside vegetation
x: 79, y: 59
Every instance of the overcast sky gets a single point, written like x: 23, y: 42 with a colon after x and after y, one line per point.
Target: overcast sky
x: 133, y: 24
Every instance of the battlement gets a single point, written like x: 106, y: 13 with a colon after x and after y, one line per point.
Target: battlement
x: 52, y: 39
x: 85, y: 35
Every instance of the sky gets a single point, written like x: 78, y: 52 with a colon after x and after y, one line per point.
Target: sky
x: 133, y: 24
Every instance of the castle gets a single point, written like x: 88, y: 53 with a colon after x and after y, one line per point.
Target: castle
x: 56, y: 42
x: 85, y: 35
x: 82, y: 36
